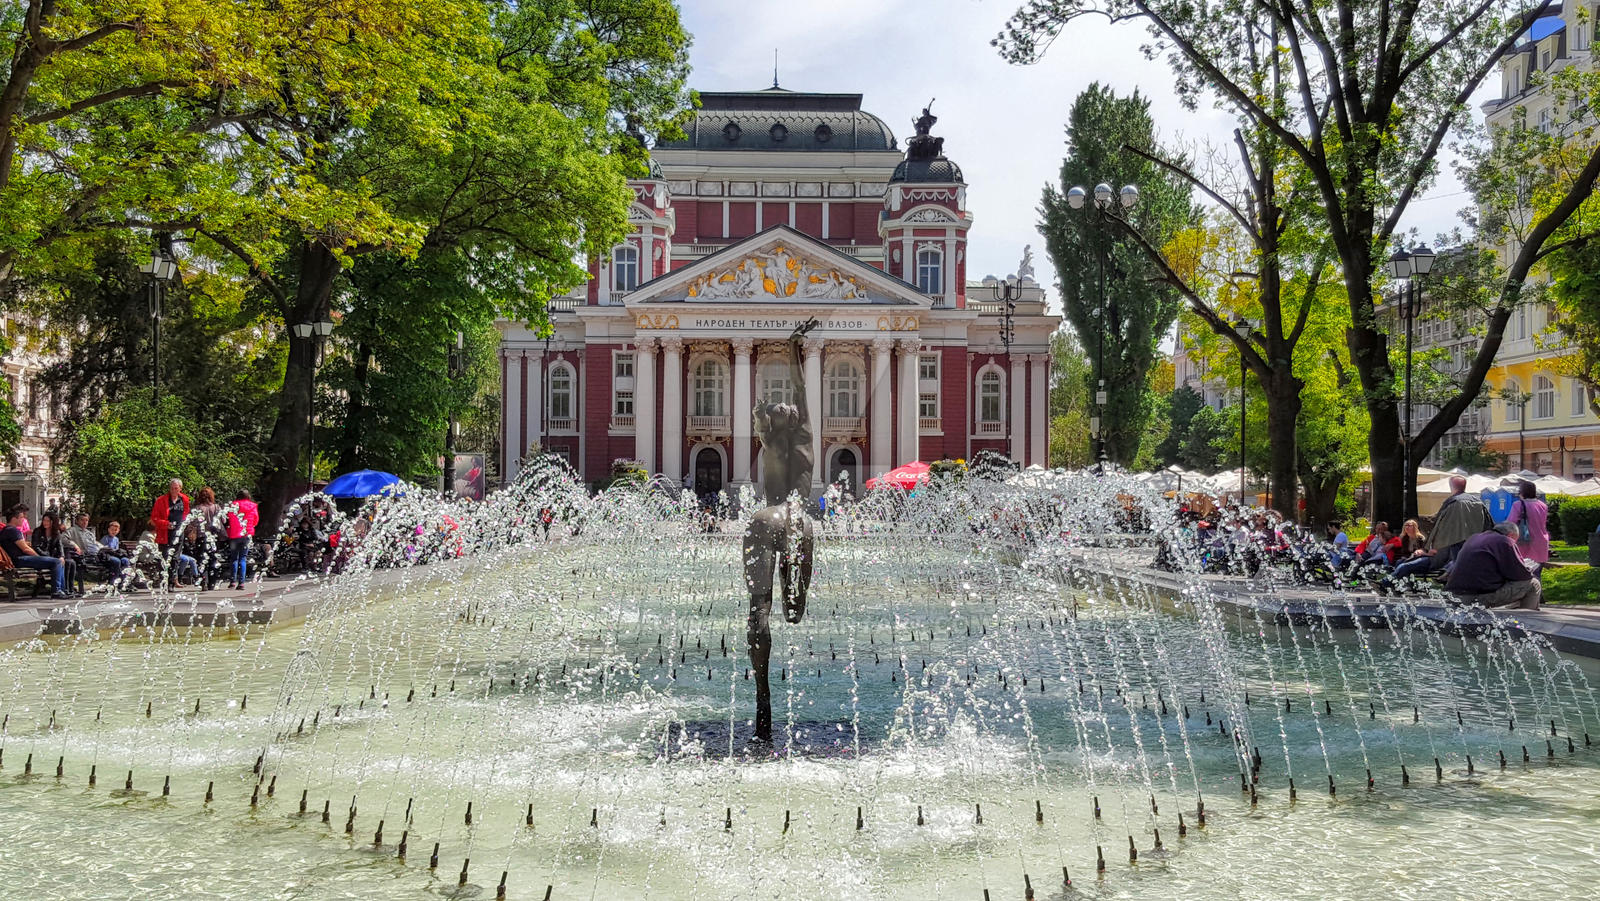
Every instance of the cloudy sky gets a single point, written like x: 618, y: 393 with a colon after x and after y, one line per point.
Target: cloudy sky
x: 1002, y: 123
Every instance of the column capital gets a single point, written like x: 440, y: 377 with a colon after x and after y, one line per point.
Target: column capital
x: 909, y: 345
x: 1038, y: 358
x: 743, y: 346
x: 813, y: 347
x: 672, y: 344
x: 645, y: 346
x: 882, y: 346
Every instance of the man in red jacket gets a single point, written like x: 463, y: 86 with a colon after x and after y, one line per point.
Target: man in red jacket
x: 167, y: 517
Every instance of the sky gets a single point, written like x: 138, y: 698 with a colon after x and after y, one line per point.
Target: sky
x: 1002, y: 123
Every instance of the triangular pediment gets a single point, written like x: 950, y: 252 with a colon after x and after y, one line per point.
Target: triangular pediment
x: 779, y: 266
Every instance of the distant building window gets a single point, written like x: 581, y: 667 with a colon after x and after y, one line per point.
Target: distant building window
x: 625, y: 268
x: 930, y: 271
x: 1544, y: 398
x: 775, y: 387
x: 928, y: 406
x: 1580, y: 397
x: 710, y: 383
x: 928, y: 368
x: 622, y: 366
x: 844, y: 389
x: 622, y: 403
x: 1512, y: 394
x: 990, y: 406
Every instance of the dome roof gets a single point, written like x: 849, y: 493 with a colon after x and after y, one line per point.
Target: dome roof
x: 935, y: 171
x: 779, y: 120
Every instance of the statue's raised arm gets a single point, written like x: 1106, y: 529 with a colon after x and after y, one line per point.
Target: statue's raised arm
x: 797, y: 371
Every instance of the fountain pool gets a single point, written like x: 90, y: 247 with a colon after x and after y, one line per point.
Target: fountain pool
x: 954, y: 718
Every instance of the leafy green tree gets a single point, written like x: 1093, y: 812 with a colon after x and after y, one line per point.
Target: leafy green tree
x: 1374, y: 90
x: 1070, y: 408
x: 120, y: 460
x: 1475, y: 457
x: 1182, y: 405
x: 1109, y: 292
x: 1208, y: 441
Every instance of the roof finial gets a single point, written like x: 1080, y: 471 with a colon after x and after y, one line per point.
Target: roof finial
x: 774, y: 67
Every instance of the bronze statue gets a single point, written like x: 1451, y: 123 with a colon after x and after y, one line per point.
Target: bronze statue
x: 780, y: 535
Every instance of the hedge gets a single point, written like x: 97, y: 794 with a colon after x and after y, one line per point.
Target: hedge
x: 1579, y: 517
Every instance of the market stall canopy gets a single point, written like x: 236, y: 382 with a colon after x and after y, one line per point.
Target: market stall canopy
x: 907, y: 476
x: 363, y: 483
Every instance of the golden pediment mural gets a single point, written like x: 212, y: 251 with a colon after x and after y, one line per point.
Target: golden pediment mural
x: 778, y: 274
x: 898, y: 323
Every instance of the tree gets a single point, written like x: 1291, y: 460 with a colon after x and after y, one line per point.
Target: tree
x: 1475, y: 457
x: 1109, y: 294
x: 1376, y: 88
x: 1182, y: 405
x: 1069, y: 403
x: 123, y: 458
x: 1208, y: 441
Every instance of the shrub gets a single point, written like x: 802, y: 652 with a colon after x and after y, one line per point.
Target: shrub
x: 1579, y: 517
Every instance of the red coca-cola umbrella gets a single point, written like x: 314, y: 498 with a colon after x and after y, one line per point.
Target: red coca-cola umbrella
x: 907, y: 477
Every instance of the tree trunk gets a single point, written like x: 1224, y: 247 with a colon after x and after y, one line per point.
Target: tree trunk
x: 1321, y: 497
x: 355, y: 424
x: 1283, y: 417
x: 284, y: 477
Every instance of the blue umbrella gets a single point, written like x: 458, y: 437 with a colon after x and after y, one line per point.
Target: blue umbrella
x: 361, y: 483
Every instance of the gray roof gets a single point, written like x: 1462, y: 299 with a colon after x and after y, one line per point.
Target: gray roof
x: 781, y: 120
x: 921, y: 172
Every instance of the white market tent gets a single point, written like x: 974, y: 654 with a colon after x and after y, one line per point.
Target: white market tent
x: 1433, y: 494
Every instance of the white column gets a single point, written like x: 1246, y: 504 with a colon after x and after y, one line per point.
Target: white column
x: 672, y: 409
x: 533, y: 404
x: 907, y: 442
x: 741, y: 411
x: 950, y: 270
x: 603, y: 272
x: 644, y: 403
x: 1018, y: 422
x: 813, y: 375
x: 1039, y: 410
x: 908, y: 259
x: 513, y: 415
x: 881, y: 435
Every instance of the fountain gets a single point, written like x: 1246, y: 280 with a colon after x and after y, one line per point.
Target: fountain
x: 981, y: 700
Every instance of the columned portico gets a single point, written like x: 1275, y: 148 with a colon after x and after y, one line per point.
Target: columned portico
x: 742, y: 406
x: 881, y: 435
x: 1038, y: 426
x: 672, y: 408
x: 644, y: 420
x: 813, y: 371
x: 906, y: 396
x: 1018, y: 425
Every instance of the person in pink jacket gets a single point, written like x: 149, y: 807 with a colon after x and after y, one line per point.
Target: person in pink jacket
x: 1529, y: 509
x: 242, y: 519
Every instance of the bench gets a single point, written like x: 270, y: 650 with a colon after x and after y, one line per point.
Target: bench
x: 40, y: 575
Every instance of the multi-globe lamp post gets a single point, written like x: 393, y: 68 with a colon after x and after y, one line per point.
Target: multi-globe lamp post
x: 1006, y: 294
x: 161, y: 268
x: 1409, y: 267
x: 312, y: 333
x: 1104, y: 206
x: 455, y: 364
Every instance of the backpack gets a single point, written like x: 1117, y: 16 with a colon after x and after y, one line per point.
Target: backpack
x: 1524, y: 534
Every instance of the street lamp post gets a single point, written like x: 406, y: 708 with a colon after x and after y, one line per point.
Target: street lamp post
x: 455, y: 362
x: 1244, y: 327
x: 312, y: 333
x: 1411, y: 267
x: 1078, y: 198
x: 1006, y: 294
x: 161, y: 268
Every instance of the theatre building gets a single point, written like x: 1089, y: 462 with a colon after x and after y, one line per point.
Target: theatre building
x: 779, y: 206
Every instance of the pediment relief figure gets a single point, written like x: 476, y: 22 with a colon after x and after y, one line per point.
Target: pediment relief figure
x: 779, y: 274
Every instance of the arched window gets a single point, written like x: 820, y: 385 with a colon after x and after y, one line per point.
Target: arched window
x: 775, y: 387
x: 625, y: 268
x: 1544, y: 398
x: 930, y: 270
x: 710, y: 384
x: 1512, y: 392
x: 991, y: 397
x: 844, y: 388
x: 561, y: 395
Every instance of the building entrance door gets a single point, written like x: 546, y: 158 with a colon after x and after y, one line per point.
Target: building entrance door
x: 844, y: 461
x: 707, y: 472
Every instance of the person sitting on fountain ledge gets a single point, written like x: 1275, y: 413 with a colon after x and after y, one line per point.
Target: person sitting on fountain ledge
x: 1489, y: 571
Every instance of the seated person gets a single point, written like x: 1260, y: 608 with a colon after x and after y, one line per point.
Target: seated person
x: 51, y: 541
x: 1489, y: 571
x: 23, y: 554
x: 191, y: 548
x: 1375, y: 548
x: 1460, y: 517
x: 90, y: 548
x: 1339, y: 556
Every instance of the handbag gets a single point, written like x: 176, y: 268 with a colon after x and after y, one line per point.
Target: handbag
x: 1524, y: 534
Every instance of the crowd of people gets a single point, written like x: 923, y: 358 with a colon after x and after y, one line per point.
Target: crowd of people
x: 193, y: 541
x: 1466, y: 552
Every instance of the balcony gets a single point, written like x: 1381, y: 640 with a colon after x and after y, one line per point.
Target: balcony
x: 928, y: 425
x: 709, y: 425
x: 562, y: 425
x: 992, y: 429
x: 621, y: 422
x: 563, y: 303
x: 844, y: 426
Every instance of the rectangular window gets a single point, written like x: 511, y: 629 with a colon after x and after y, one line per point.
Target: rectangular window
x: 930, y: 271
x: 1580, y: 396
x: 622, y: 403
x: 625, y: 268
x: 928, y: 368
x: 928, y: 406
x: 622, y: 366
x: 1513, y: 410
